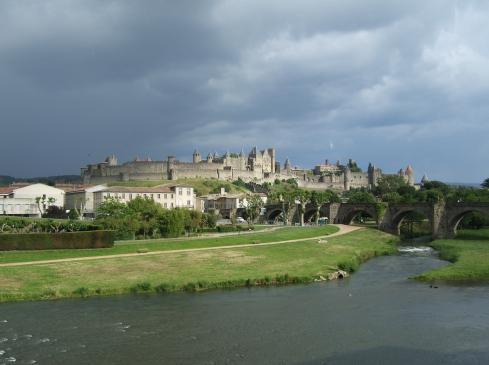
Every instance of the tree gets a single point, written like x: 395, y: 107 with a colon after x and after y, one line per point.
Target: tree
x: 302, y: 197
x: 485, y: 183
x: 53, y: 211
x: 318, y: 198
x: 210, y: 218
x: 43, y: 202
x: 361, y: 197
x: 254, y: 203
x: 389, y: 184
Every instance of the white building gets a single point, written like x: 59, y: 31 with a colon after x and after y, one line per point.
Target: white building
x: 22, y: 201
x: 225, y: 202
x: 168, y: 197
x: 83, y: 200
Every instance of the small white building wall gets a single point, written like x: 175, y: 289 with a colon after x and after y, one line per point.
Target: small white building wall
x: 19, y: 206
x: 39, y: 190
x: 169, y: 200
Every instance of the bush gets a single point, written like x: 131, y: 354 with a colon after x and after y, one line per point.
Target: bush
x: 55, y: 241
x: 230, y: 228
x: 141, y: 287
x: 38, y: 225
x: 82, y: 292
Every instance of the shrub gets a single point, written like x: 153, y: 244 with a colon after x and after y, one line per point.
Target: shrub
x: 141, y: 287
x: 348, y: 266
x: 38, y: 225
x: 163, y: 288
x: 82, y: 291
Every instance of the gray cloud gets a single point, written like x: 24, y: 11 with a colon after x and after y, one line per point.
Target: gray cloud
x: 390, y: 82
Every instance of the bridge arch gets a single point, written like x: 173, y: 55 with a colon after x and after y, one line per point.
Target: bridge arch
x: 459, y: 212
x: 274, y: 214
x: 348, y: 211
x: 310, y: 215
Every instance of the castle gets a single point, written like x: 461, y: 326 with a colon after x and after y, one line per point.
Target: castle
x: 258, y: 166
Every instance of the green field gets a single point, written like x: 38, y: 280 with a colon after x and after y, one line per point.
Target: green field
x: 123, y: 247
x: 201, y: 186
x: 198, y: 270
x: 469, y: 257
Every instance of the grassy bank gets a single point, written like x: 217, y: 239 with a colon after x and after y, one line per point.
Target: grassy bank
x: 198, y: 270
x: 201, y: 186
x: 123, y: 247
x: 469, y: 257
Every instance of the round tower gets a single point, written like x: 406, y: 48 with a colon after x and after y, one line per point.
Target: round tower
x: 425, y: 179
x: 196, y: 157
x: 410, y: 175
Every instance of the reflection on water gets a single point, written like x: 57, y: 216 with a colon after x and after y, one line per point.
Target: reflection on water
x: 375, y: 316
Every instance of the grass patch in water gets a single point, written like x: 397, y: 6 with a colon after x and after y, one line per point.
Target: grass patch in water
x: 468, y: 255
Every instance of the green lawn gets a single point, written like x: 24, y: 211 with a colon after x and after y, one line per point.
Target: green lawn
x: 198, y: 270
x: 281, y: 234
x: 469, y: 254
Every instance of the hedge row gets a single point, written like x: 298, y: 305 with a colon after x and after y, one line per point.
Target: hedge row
x: 53, y: 241
x: 38, y: 225
x: 231, y: 228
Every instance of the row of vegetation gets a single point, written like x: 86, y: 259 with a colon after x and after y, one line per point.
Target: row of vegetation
x: 144, y: 218
x: 32, y: 225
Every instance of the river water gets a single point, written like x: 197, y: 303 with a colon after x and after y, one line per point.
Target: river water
x: 377, y: 316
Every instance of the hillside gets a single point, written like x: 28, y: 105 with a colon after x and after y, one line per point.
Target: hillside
x: 49, y: 180
x: 201, y: 186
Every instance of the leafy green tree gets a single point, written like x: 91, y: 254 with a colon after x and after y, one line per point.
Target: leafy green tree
x: 318, y: 198
x: 112, y: 207
x: 302, y: 197
x: 392, y: 197
x: 389, y: 184
x: 254, y: 203
x: 115, y: 215
x: 485, y: 183
x: 361, y: 197
x: 210, y: 218
x: 43, y: 202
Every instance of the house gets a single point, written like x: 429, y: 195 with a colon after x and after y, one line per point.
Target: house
x: 82, y: 200
x: 30, y: 200
x: 225, y: 203
x: 169, y: 197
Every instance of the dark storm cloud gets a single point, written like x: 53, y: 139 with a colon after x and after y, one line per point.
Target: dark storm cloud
x: 390, y: 82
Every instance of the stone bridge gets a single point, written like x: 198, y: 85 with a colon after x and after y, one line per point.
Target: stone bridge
x: 443, y: 217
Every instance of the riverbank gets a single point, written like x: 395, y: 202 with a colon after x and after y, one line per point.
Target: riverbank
x: 469, y: 257
x: 299, y: 262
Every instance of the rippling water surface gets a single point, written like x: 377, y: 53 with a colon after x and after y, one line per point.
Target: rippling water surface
x: 377, y: 316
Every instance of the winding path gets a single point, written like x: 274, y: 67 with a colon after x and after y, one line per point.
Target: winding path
x: 343, y: 229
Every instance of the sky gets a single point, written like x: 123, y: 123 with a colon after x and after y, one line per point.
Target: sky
x: 389, y: 82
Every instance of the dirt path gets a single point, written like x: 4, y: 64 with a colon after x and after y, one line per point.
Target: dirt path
x: 343, y: 229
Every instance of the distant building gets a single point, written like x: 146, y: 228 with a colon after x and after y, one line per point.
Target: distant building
x: 258, y: 166
x: 225, y: 203
x: 169, y: 197
x: 83, y: 200
x: 21, y: 200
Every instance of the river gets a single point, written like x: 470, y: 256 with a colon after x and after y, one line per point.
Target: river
x: 377, y: 316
